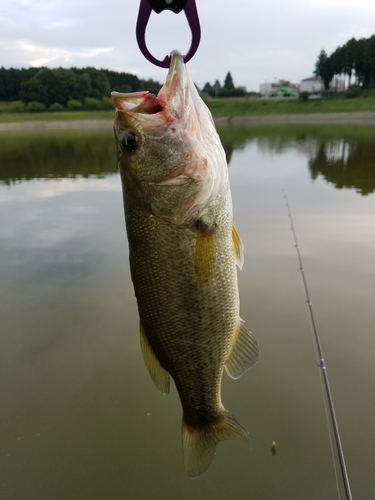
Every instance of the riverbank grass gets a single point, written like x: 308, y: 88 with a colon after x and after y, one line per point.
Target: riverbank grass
x: 219, y: 108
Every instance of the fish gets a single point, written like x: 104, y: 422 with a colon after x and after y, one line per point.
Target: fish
x: 183, y: 250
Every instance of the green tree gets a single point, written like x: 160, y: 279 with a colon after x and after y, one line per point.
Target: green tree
x: 59, y: 85
x: 99, y: 83
x: 122, y: 82
x: 56, y: 85
x: 323, y: 68
x: 228, y: 82
x: 215, y: 89
x: 33, y: 90
x: 356, y: 56
x: 350, y: 50
x: 207, y: 88
x: 151, y: 85
x: 11, y: 80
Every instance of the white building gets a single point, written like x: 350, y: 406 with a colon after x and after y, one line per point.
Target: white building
x: 315, y: 84
x: 266, y: 88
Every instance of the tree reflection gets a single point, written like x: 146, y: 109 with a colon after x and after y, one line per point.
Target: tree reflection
x: 346, y: 163
x: 342, y: 155
x: 25, y: 156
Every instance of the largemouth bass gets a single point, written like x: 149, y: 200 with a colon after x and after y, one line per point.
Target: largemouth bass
x: 183, y: 251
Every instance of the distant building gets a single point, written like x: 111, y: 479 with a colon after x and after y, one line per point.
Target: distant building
x: 266, y: 88
x: 278, y: 89
x: 312, y: 85
x: 315, y: 84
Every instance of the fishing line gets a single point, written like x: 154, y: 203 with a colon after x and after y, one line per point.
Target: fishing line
x: 322, y: 364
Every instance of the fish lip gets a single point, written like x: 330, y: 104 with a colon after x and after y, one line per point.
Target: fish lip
x: 177, y: 62
x: 176, y: 81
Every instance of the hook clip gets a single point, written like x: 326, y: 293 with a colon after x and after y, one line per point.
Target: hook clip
x: 191, y: 13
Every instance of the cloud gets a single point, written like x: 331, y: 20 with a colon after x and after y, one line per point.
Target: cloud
x: 255, y: 42
x: 51, y: 188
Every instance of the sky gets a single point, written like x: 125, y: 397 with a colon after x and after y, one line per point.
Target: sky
x: 256, y: 41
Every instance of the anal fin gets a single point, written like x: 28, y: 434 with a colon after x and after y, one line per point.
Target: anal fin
x: 159, y: 375
x: 245, y: 352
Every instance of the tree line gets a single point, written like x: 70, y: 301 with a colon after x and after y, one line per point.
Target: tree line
x: 227, y: 90
x: 59, y: 87
x: 36, y: 89
x: 356, y: 58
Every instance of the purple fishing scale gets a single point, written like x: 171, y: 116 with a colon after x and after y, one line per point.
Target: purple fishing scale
x: 176, y: 6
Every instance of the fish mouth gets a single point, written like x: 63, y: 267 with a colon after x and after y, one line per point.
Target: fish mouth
x: 170, y: 101
x: 137, y: 102
x: 150, y: 113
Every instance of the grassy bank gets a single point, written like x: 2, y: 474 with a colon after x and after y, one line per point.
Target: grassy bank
x: 246, y: 107
x: 52, y: 116
x: 219, y: 108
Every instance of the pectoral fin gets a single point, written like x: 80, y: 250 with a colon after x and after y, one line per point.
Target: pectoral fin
x: 205, y: 251
x: 244, y: 354
x: 237, y: 246
x: 158, y: 374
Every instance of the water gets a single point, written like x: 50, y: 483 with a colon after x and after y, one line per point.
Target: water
x: 79, y: 416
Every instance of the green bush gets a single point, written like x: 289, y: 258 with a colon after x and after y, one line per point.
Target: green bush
x: 16, y: 107
x: 92, y: 103
x: 74, y: 105
x: 303, y: 96
x: 223, y: 92
x: 56, y: 106
x: 353, y: 92
x: 35, y: 106
x: 106, y: 103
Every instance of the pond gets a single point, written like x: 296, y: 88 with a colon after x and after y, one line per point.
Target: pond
x: 80, y: 417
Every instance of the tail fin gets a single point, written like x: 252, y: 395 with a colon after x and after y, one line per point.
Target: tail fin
x: 199, y: 443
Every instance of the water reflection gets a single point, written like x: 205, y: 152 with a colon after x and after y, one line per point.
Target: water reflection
x: 79, y: 415
x: 26, y: 156
x: 342, y: 156
x: 345, y: 163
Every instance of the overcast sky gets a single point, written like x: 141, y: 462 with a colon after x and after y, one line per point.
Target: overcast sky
x: 256, y: 41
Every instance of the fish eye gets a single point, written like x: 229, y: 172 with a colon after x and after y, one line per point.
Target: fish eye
x: 130, y: 141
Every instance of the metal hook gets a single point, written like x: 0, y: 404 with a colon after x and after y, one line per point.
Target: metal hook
x: 191, y: 13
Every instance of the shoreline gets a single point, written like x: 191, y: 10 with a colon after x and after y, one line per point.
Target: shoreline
x: 361, y: 118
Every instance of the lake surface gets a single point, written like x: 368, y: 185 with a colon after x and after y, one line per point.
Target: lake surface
x: 80, y: 418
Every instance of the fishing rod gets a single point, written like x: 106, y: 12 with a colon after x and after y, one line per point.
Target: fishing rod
x: 322, y: 363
